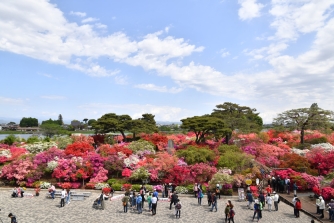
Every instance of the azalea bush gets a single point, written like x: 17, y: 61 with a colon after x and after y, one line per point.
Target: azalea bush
x: 79, y: 149
x: 141, y: 145
x: 220, y: 178
x: 99, y: 186
x: 126, y: 187
x: 39, y: 146
x: 181, y: 190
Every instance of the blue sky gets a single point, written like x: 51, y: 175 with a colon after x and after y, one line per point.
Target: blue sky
x: 174, y: 59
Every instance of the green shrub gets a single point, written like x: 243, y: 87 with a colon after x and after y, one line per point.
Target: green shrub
x: 149, y: 187
x: 33, y: 139
x: 190, y: 188
x: 227, y: 192
x: 115, y: 181
x: 304, y: 146
x: 228, y: 148
x: 193, y: 154
x: 9, y: 140
x: 117, y: 186
x: 136, y: 187
x: 317, y: 140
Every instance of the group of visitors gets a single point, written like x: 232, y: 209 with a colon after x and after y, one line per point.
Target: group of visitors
x: 18, y: 192
x: 282, y: 185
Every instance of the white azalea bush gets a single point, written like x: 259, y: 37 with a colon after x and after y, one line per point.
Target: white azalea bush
x: 301, y: 152
x: 44, y: 185
x: 325, y: 146
x: 62, y: 141
x: 181, y: 190
x: 39, y: 146
x: 52, y: 164
x: 100, y: 186
x: 5, y: 153
x: 141, y: 145
x: 132, y: 160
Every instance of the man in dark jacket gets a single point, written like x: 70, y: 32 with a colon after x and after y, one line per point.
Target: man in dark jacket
x: 173, y: 200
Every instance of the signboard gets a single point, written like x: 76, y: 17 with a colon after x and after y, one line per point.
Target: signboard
x: 241, y: 194
x: 248, y: 182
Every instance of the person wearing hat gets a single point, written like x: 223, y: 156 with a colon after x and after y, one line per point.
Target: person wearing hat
x: 331, y: 210
x: 276, y: 200
x: 321, y: 207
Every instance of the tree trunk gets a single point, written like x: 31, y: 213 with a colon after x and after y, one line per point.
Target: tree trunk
x: 227, y: 138
x: 302, y: 136
x: 124, y: 137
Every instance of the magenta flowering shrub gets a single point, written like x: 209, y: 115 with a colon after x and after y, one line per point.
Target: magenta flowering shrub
x: 66, y: 169
x: 249, y: 149
x: 48, y: 155
x: 96, y: 161
x: 101, y: 176
x: 18, y: 170
x: 227, y: 186
x: 158, y: 187
x: 327, y: 193
x: 202, y: 172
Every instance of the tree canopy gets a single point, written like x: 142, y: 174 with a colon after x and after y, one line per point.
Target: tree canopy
x: 236, y: 117
x: 29, y: 122
x: 204, y: 126
x: 50, y: 121
x: 304, y: 118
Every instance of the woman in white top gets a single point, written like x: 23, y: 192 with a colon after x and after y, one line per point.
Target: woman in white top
x: 269, y: 201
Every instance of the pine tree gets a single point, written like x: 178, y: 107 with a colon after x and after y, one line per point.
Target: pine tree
x: 60, y: 119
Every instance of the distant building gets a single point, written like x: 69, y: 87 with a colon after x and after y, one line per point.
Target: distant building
x: 76, y: 124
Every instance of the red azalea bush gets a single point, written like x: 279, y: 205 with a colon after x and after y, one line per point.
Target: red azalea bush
x: 83, y: 139
x: 321, y: 159
x: 327, y: 193
x: 127, y: 187
x: 90, y: 185
x: 158, y: 139
x: 316, y: 190
x: 202, y: 172
x: 106, y: 190
x: 79, y: 149
x: 126, y: 172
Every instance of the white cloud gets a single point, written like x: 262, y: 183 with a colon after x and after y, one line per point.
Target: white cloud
x: 89, y: 19
x: 293, y: 17
x: 224, y: 53
x: 249, y: 9
x: 100, y: 26
x: 53, y: 97
x: 80, y: 14
x: 10, y: 101
x: 152, y: 87
x: 121, y: 80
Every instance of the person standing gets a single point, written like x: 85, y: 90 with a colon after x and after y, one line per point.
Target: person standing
x: 317, y: 203
x: 321, y: 207
x: 287, y: 182
x: 294, y: 201
x: 294, y: 187
x: 139, y: 203
x: 256, y: 210
x: 200, y: 196
x: 62, y: 198
x: 125, y: 201
x: 214, y: 201
x: 21, y: 191
x: 298, y: 207
x: 218, y: 190
x: 68, y: 198
x: 331, y: 210
x: 262, y: 199
x: 209, y: 197
x: 154, y: 201
x: 166, y: 190
x: 149, y: 201
x: 250, y: 199
x: 195, y: 189
x: 227, y: 211
x: 269, y: 200
x: 231, y: 215
x: 276, y: 200
x: 163, y: 190
x: 134, y: 199
x: 178, y: 209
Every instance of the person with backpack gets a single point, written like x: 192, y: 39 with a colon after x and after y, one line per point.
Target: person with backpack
x: 139, y: 203
x: 173, y: 200
x: 178, y: 209
x: 154, y: 201
x: 125, y: 201
x: 262, y: 199
x: 227, y: 211
x: 231, y: 215
x: 200, y: 196
x: 12, y: 218
x: 298, y: 207
x: 214, y: 201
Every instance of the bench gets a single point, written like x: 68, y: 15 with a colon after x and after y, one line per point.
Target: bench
x: 57, y: 194
x: 77, y: 197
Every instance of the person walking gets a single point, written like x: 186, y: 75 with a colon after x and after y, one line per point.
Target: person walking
x: 62, y: 198
x: 173, y: 200
x: 125, y: 201
x: 195, y: 189
x: 200, y: 196
x: 139, y: 203
x: 154, y: 201
x: 276, y: 201
x: 256, y: 210
x: 321, y: 207
x: 298, y: 207
x: 269, y: 200
x: 250, y: 199
x: 178, y: 207
x: 213, y: 201
x: 209, y: 197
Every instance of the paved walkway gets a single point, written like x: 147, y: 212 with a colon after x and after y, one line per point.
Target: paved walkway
x: 43, y: 210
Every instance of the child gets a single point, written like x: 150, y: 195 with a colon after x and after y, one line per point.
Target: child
x: 231, y: 215
x: 178, y: 209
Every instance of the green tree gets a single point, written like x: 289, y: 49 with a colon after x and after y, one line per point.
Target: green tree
x: 85, y: 120
x: 144, y: 124
x: 28, y: 122
x: 236, y: 117
x: 60, y: 120
x: 204, y: 126
x: 50, y: 121
x: 113, y: 123
x: 9, y: 140
x: 304, y: 118
x: 51, y: 129
x: 91, y: 121
x: 195, y: 154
